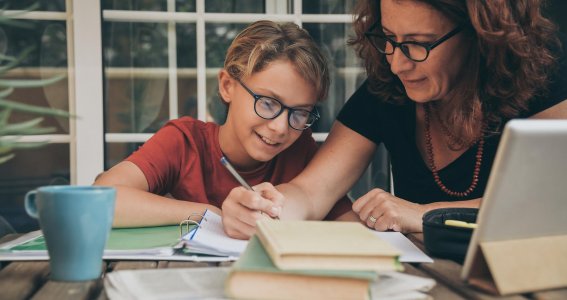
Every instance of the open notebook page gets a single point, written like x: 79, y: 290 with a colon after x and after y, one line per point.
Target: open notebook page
x: 210, y: 238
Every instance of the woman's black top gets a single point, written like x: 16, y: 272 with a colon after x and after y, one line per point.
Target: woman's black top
x: 394, y: 125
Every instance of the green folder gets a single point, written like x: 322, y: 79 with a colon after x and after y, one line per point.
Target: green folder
x: 139, y: 238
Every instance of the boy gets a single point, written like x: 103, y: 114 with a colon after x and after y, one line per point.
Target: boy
x: 273, y: 76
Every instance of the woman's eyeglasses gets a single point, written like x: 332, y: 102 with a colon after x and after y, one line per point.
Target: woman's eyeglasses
x: 416, y: 51
x: 270, y: 108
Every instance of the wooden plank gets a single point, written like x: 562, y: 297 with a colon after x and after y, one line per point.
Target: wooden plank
x: 439, y: 291
x: 184, y: 264
x: 448, y: 273
x: 131, y: 265
x: 125, y: 265
x: 226, y: 264
x: 102, y: 295
x: 20, y: 280
x: 7, y: 238
x: 69, y: 290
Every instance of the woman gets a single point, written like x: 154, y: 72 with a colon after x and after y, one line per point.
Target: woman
x: 444, y: 76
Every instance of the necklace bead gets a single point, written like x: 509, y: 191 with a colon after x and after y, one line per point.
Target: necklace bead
x: 431, y: 160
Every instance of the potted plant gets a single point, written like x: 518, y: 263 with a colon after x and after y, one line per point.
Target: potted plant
x: 10, y: 133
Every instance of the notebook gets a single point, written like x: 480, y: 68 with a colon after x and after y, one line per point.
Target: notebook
x: 209, y: 238
x: 326, y: 245
x: 144, y: 243
x: 254, y: 276
x: 521, y: 239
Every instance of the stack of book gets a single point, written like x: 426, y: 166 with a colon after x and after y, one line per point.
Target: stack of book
x: 310, y: 260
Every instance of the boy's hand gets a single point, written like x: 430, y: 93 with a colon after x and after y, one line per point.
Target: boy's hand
x: 242, y: 208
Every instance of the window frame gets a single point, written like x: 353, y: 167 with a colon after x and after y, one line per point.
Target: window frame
x: 87, y: 136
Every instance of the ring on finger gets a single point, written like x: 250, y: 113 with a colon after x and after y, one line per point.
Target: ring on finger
x: 372, y: 219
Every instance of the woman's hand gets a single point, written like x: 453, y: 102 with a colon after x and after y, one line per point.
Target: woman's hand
x: 382, y: 211
x: 243, y: 208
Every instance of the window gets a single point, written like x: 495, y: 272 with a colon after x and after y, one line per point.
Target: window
x: 145, y: 62
x: 161, y: 60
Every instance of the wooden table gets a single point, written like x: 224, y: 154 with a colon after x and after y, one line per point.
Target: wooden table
x: 25, y: 280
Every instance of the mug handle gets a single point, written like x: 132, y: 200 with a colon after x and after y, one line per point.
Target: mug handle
x: 30, y: 204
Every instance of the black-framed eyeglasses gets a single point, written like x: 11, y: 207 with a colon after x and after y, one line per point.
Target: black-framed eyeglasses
x: 416, y: 51
x: 270, y: 108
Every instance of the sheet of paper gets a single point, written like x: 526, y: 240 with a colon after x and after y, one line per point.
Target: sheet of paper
x: 399, y: 286
x: 167, y: 284
x: 410, y: 252
x: 210, y: 238
x: 208, y: 283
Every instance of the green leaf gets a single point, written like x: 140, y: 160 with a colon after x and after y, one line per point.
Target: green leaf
x: 8, y: 145
x: 33, y: 109
x: 4, y: 115
x: 27, y: 145
x: 28, y: 127
x: 7, y: 58
x: 8, y: 19
x: 6, y: 158
x: 14, y: 62
x: 31, y: 82
x: 6, y: 92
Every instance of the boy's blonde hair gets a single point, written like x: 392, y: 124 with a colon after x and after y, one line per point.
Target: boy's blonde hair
x: 263, y: 42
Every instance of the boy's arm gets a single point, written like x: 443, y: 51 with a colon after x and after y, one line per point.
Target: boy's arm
x: 135, y: 206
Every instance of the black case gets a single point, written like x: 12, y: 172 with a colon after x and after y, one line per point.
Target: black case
x: 448, y: 241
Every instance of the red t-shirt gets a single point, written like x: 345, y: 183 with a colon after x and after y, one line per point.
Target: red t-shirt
x: 183, y: 159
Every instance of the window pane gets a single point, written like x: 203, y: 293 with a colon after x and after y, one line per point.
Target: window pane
x: 186, y: 45
x: 44, y: 5
x: 117, y: 152
x: 136, y: 60
x: 185, y: 5
x: 346, y: 76
x: 235, y: 6
x: 136, y: 103
x: 327, y: 6
x: 135, y: 44
x: 219, y: 37
x: 29, y: 169
x: 187, y: 72
x: 134, y: 5
x: 187, y: 95
x: 47, y: 43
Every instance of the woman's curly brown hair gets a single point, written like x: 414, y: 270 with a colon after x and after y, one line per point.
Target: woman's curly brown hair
x: 513, y: 50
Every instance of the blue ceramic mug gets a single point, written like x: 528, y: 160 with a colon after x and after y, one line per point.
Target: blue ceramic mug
x: 76, y: 222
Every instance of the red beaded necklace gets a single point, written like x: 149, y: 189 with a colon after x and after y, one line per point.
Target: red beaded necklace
x: 431, y: 161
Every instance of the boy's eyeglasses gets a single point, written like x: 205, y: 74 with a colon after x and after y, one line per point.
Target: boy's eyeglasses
x: 270, y: 108
x: 416, y: 51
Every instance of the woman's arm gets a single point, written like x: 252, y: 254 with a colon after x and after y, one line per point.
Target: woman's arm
x: 135, y: 206
x: 311, y: 195
x: 383, y: 211
x: 338, y: 164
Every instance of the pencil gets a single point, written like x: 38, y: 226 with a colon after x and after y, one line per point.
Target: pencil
x: 235, y: 174
x: 224, y: 161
